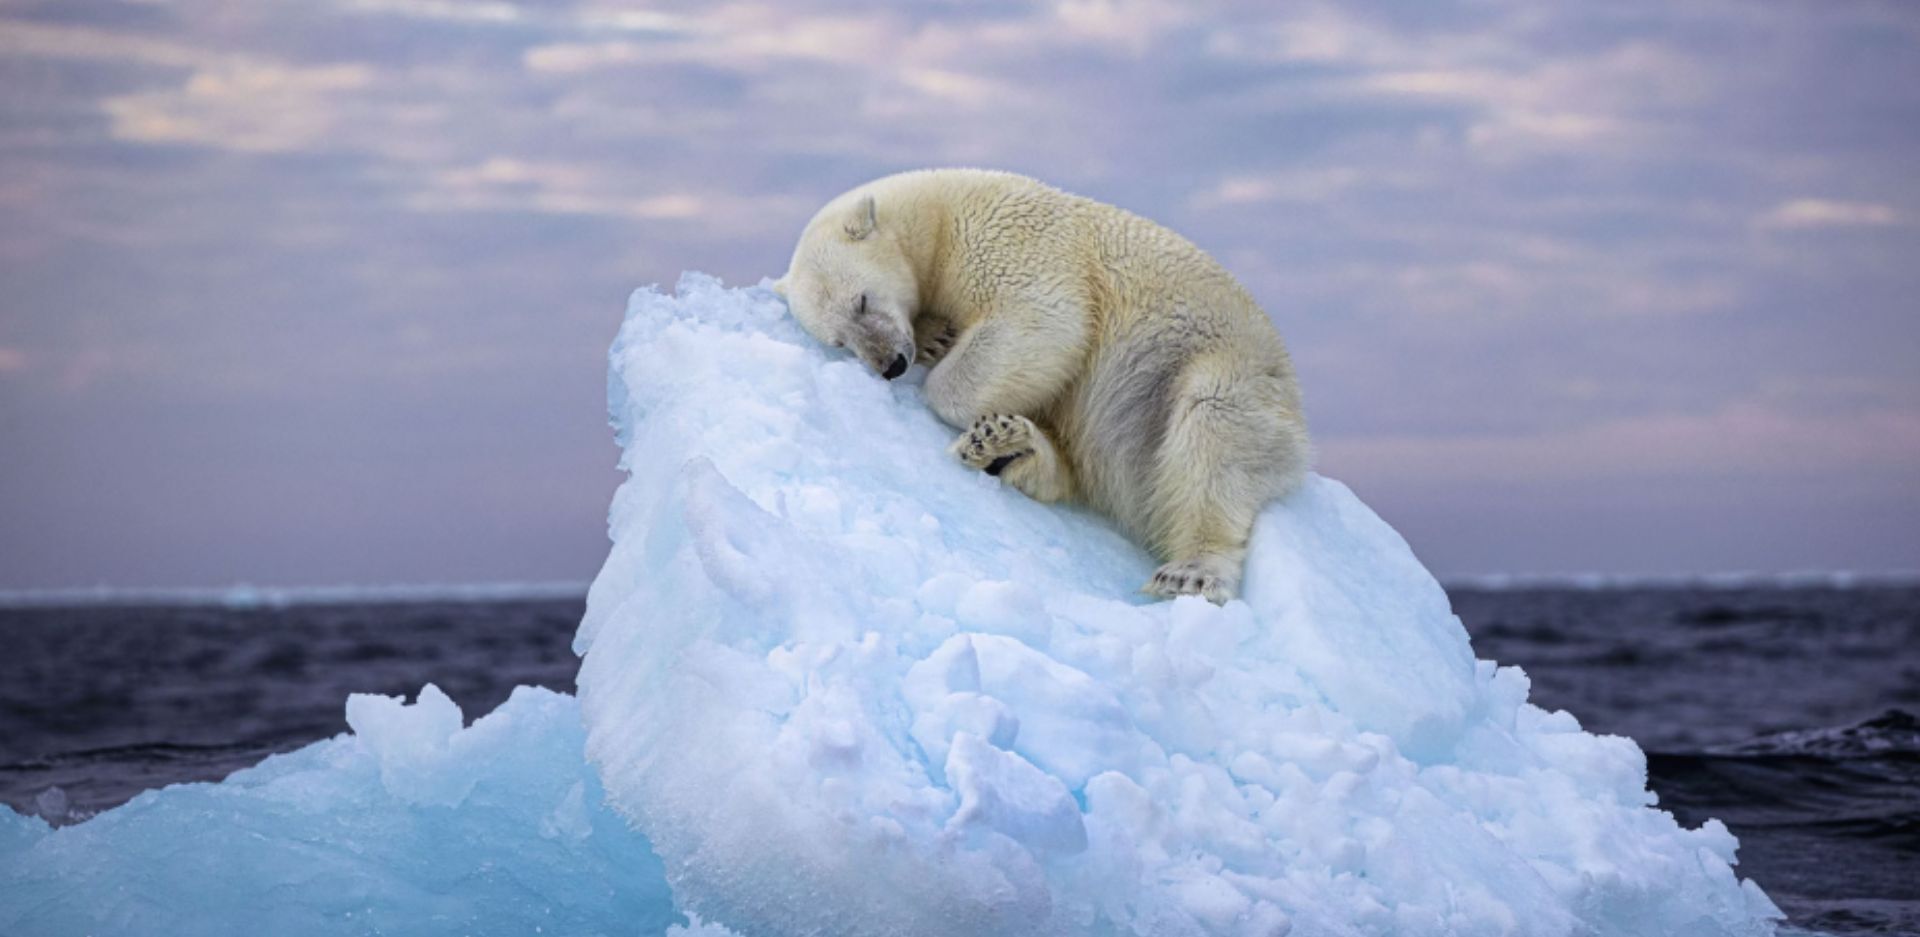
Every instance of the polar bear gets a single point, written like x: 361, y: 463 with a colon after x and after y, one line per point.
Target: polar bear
x: 1087, y: 354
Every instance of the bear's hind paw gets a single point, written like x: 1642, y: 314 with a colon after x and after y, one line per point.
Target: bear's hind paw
x: 1203, y: 577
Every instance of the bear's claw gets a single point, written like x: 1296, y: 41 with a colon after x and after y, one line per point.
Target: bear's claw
x: 1190, y: 577
x: 937, y: 345
x: 995, y: 442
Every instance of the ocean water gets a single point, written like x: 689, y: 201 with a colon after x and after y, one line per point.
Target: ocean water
x: 1786, y: 712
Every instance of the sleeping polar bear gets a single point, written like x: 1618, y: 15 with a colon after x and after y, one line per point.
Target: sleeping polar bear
x: 1087, y: 353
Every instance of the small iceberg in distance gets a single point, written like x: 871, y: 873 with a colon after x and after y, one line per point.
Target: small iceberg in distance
x: 847, y: 686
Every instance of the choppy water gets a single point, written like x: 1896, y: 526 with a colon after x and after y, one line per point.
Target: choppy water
x: 1785, y: 712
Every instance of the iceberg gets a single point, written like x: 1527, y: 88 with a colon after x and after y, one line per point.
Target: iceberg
x: 411, y: 824
x: 834, y: 683
x: 846, y: 686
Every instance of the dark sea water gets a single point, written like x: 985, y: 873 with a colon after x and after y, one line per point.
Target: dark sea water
x: 1788, y: 713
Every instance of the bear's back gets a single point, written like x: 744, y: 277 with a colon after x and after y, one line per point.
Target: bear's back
x: 1130, y: 264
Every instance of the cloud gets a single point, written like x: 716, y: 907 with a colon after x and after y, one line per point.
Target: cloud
x: 522, y: 16
x: 1315, y: 34
x: 504, y: 184
x: 23, y: 39
x: 1133, y: 25
x: 465, y: 11
x: 564, y: 58
x: 958, y: 88
x: 734, y: 36
x: 1828, y: 213
x: 246, y: 107
x: 1321, y: 184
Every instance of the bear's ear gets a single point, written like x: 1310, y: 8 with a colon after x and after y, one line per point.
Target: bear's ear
x: 779, y: 287
x: 863, y: 220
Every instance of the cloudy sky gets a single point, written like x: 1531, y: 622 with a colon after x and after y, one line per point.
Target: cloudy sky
x: 318, y: 292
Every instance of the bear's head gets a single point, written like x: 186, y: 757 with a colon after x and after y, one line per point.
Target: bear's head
x: 851, y: 285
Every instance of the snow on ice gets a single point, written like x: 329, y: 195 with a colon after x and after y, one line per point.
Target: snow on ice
x: 832, y: 682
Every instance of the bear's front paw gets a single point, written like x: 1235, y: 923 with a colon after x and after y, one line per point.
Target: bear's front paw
x: 995, y: 442
x: 1207, y: 577
x: 937, y: 344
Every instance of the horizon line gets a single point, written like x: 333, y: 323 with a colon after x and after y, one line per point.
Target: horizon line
x: 250, y: 596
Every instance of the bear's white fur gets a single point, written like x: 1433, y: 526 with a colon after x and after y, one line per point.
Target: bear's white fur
x: 1088, y: 353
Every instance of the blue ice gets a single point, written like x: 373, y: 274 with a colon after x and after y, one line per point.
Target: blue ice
x: 410, y: 824
x: 832, y: 682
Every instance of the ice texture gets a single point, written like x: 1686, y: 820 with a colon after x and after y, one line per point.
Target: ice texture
x: 847, y: 686
x: 841, y: 685
x: 409, y: 825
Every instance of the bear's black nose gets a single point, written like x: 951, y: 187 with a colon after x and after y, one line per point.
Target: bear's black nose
x: 897, y: 368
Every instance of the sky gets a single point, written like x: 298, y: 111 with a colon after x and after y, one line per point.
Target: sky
x: 319, y: 292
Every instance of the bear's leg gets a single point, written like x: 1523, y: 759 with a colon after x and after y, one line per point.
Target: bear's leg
x: 1013, y: 448
x: 1233, y: 443
x: 1018, y: 360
